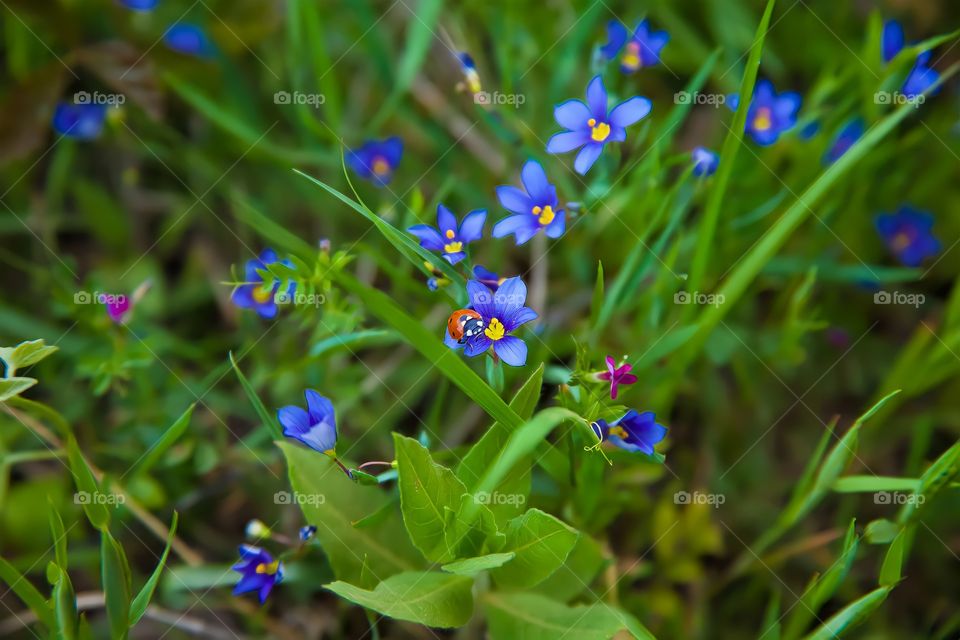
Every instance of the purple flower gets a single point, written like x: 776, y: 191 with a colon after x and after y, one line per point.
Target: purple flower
x: 705, y: 162
x: 258, y: 572
x: 616, y: 376
x: 118, y: 308
x: 535, y: 209
x: 487, y: 278
x: 643, y: 48
x: 79, y: 121
x: 852, y: 132
x: 448, y: 238
x: 316, y: 427
x: 253, y: 293
x: 188, y: 39
x: 909, y: 235
x: 633, y: 432
x: 140, y: 5
x: 770, y: 113
x: 591, y: 127
x: 376, y: 160
x: 501, y: 312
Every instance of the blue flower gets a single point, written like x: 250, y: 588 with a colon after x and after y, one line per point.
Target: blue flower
x: 909, y: 235
x: 307, y: 532
x: 449, y: 239
x: 850, y: 133
x: 140, y: 5
x: 643, y: 49
x: 705, y: 162
x: 487, y: 278
x: 770, y: 113
x: 258, y: 572
x: 633, y: 432
x: 79, y: 121
x: 253, y: 293
x: 535, y: 209
x: 376, y: 160
x: 316, y: 427
x: 921, y: 76
x: 501, y: 312
x: 892, y: 40
x: 591, y: 127
x: 188, y: 39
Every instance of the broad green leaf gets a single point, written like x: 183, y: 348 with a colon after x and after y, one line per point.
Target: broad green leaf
x: 892, y: 568
x: 167, y: 440
x: 426, y: 490
x: 430, y: 598
x: 473, y: 566
x: 24, y: 354
x: 332, y: 503
x: 88, y: 490
x: 265, y: 417
x: 24, y: 589
x: 850, y: 616
x: 541, y: 544
x: 471, y: 528
x: 530, y: 616
x: 10, y: 387
x: 115, y: 576
x: 142, y: 600
x: 582, y: 565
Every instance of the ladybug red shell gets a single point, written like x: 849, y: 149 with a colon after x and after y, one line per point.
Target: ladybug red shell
x: 463, y: 324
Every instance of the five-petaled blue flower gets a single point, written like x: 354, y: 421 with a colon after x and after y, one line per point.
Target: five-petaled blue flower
x: 140, y: 5
x: 449, y: 239
x: 705, y: 162
x: 850, y: 133
x: 909, y: 235
x: 316, y: 427
x: 633, y: 432
x: 258, y: 572
x: 376, y: 160
x: 590, y: 126
x: 189, y: 39
x: 254, y: 292
x: 643, y: 48
x: 534, y: 210
x: 921, y: 76
x: 79, y: 121
x: 770, y: 113
x: 501, y: 312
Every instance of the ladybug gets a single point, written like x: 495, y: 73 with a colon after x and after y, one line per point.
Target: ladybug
x: 463, y: 324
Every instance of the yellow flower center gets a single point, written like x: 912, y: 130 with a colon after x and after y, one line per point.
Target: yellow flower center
x: 453, y: 247
x: 763, y: 120
x: 901, y: 241
x: 380, y: 166
x: 620, y: 432
x: 261, y: 295
x: 495, y: 329
x: 450, y: 234
x: 631, y: 57
x: 598, y: 130
x: 545, y: 214
x: 268, y: 569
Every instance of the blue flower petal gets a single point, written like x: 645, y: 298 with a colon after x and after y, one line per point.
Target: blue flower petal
x: 512, y: 350
x: 294, y: 420
x: 446, y: 221
x: 514, y: 200
x: 587, y: 156
x: 481, y: 298
x: 892, y: 40
x: 535, y: 181
x: 471, y: 229
x: 521, y: 223
x: 319, y: 408
x: 631, y: 111
x: 616, y: 37
x: 429, y: 237
x: 597, y: 98
x: 556, y: 228
x: 509, y: 298
x: 567, y: 141
x: 572, y: 114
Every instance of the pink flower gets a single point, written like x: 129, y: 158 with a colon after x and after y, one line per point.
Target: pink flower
x: 616, y: 376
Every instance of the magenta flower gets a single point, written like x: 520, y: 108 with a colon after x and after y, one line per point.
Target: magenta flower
x: 616, y: 376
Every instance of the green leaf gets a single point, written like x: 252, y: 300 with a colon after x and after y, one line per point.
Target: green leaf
x: 426, y: 490
x: 471, y: 529
x: 167, y: 440
x: 881, y: 531
x: 851, y: 615
x: 494, y: 369
x: 430, y: 598
x: 115, y: 574
x: 140, y: 603
x: 24, y: 354
x: 892, y: 568
x: 355, y: 340
x: 541, y: 544
x: 24, y: 589
x: 332, y: 503
x: 88, y: 491
x: 265, y: 417
x: 870, y: 484
x: 59, y: 535
x: 596, y: 303
x: 582, y: 565
x: 10, y: 387
x: 64, y: 602
x: 473, y: 566
x: 530, y: 616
